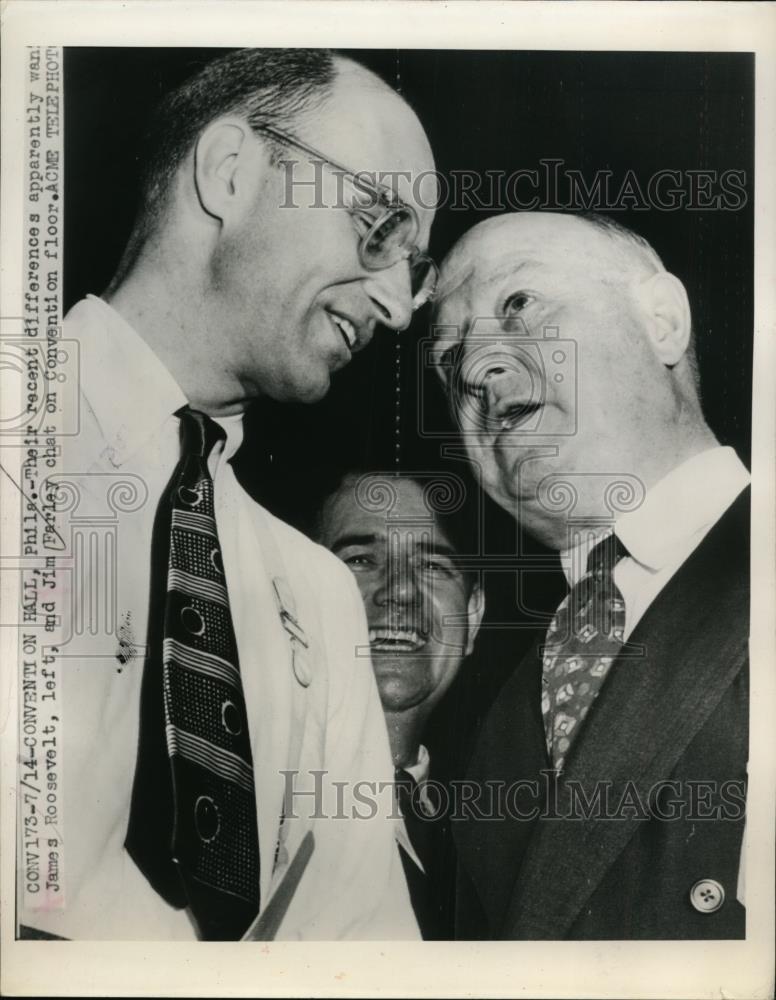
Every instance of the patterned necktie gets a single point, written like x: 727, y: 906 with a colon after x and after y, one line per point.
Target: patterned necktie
x: 192, y: 827
x: 583, y: 639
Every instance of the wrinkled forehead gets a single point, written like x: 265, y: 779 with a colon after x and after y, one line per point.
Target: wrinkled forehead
x: 549, y: 256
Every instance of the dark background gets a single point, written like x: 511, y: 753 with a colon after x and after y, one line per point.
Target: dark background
x: 482, y: 111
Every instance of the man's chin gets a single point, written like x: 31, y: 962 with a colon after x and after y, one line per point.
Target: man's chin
x: 396, y: 702
x: 399, y: 685
x: 312, y: 391
x: 512, y: 485
x: 304, y: 391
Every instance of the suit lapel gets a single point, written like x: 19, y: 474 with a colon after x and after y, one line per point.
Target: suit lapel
x: 650, y: 709
x: 510, y: 747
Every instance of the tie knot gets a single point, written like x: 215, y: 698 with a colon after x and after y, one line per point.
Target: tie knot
x: 199, y: 433
x: 605, y: 555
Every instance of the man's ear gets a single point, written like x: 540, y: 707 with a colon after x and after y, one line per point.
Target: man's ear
x: 226, y: 167
x: 474, y: 612
x: 667, y: 315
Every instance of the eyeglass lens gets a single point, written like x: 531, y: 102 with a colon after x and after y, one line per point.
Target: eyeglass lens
x: 388, y: 241
x: 423, y: 277
x: 388, y: 238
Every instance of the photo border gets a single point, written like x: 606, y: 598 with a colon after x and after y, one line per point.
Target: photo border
x: 526, y: 968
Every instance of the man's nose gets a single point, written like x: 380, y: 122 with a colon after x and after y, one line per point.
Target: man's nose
x: 399, y: 585
x: 391, y: 291
x: 503, y: 391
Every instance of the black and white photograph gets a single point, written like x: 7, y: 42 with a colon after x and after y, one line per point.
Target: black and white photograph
x: 388, y: 548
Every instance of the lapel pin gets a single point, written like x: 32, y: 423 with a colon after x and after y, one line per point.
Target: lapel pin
x: 300, y: 661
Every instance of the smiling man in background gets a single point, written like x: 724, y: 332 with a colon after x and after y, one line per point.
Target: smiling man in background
x: 424, y: 611
x: 229, y: 656
x: 568, y: 354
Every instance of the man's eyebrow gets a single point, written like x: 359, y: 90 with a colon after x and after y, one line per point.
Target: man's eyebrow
x: 511, y: 267
x: 483, y: 271
x: 437, y: 547
x: 425, y: 543
x: 369, y: 538
x: 449, y: 356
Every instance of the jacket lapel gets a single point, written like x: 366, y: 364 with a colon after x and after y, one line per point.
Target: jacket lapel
x: 648, y: 712
x: 510, y: 747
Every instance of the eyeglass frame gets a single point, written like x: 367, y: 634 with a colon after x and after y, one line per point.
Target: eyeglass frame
x: 385, y: 196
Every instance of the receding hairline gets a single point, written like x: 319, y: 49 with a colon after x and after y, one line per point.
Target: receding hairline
x: 468, y: 254
x: 371, y: 83
x: 640, y: 260
x: 235, y: 86
x: 346, y: 64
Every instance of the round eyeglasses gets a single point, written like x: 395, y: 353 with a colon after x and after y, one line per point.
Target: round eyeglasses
x: 388, y: 228
x: 391, y: 238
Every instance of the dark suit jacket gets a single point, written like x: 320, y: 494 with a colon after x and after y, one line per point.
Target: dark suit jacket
x: 432, y: 889
x: 677, y: 713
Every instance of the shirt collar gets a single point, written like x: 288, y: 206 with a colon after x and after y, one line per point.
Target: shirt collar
x: 676, y: 512
x: 233, y: 427
x: 421, y: 767
x: 147, y: 396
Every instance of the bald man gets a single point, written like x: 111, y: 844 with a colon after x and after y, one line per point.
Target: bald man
x: 207, y: 717
x: 567, y: 352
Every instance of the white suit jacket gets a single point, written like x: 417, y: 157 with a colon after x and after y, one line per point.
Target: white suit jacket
x: 314, y: 713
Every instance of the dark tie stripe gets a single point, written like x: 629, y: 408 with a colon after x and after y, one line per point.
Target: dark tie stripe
x: 227, y: 765
x: 196, y: 586
x: 211, y: 840
x: 204, y: 663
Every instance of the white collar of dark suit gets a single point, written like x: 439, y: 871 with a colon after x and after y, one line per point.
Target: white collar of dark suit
x: 675, y: 513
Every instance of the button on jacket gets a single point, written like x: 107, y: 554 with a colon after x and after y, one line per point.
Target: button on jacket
x: 669, y: 729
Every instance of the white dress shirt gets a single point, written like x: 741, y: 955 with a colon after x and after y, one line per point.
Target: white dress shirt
x: 671, y: 522
x: 420, y: 769
x: 660, y: 534
x: 120, y: 463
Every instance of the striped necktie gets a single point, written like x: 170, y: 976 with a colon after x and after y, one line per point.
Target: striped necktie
x: 583, y: 640
x: 192, y: 828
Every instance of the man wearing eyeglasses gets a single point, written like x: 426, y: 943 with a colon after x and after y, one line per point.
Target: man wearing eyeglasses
x: 212, y: 719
